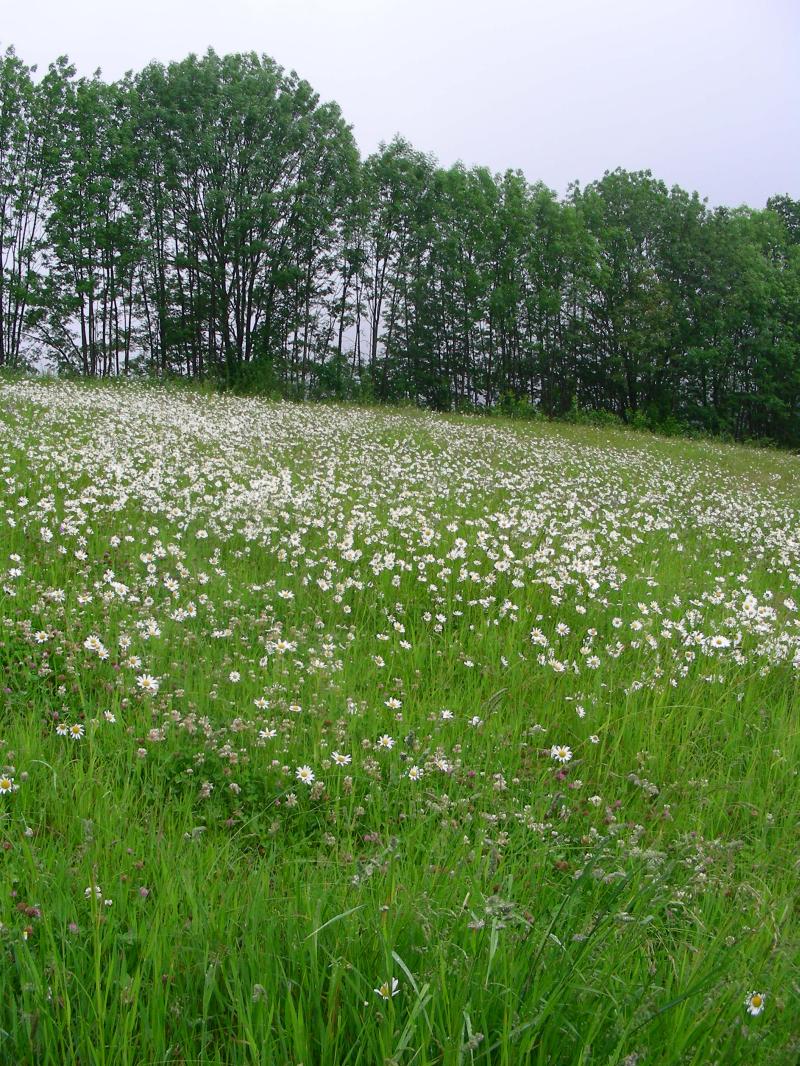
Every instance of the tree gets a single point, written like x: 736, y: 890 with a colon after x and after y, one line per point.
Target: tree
x: 30, y: 117
x: 245, y: 176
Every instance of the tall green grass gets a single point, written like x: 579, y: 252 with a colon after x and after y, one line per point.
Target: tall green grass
x: 616, y: 908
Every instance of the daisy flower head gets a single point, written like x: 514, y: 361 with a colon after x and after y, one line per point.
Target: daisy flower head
x: 414, y: 773
x: 304, y: 774
x: 76, y: 731
x: 7, y: 784
x: 147, y: 683
x: 341, y: 760
x: 62, y: 729
x: 561, y: 753
x: 754, y: 1002
x: 386, y: 741
x: 388, y: 988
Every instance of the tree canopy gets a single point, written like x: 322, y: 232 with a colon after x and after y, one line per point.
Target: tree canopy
x: 212, y: 218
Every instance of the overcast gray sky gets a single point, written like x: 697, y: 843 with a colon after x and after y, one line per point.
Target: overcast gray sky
x: 706, y: 93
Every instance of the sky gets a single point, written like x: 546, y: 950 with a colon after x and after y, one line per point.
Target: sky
x: 704, y: 93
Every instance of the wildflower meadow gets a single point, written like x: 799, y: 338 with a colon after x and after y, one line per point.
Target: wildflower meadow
x: 342, y: 736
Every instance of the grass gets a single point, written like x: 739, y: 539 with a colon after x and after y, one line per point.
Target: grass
x: 305, y: 581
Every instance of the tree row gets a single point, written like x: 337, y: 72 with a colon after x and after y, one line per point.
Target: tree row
x: 212, y: 218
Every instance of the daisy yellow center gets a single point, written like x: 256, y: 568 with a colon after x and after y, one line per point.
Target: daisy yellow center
x: 756, y: 1000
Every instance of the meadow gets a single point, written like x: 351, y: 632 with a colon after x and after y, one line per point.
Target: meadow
x: 343, y: 736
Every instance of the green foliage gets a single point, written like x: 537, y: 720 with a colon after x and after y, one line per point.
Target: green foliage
x: 303, y: 579
x: 211, y: 218
x: 512, y: 406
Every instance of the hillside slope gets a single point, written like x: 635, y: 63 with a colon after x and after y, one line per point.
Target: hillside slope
x: 299, y: 702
